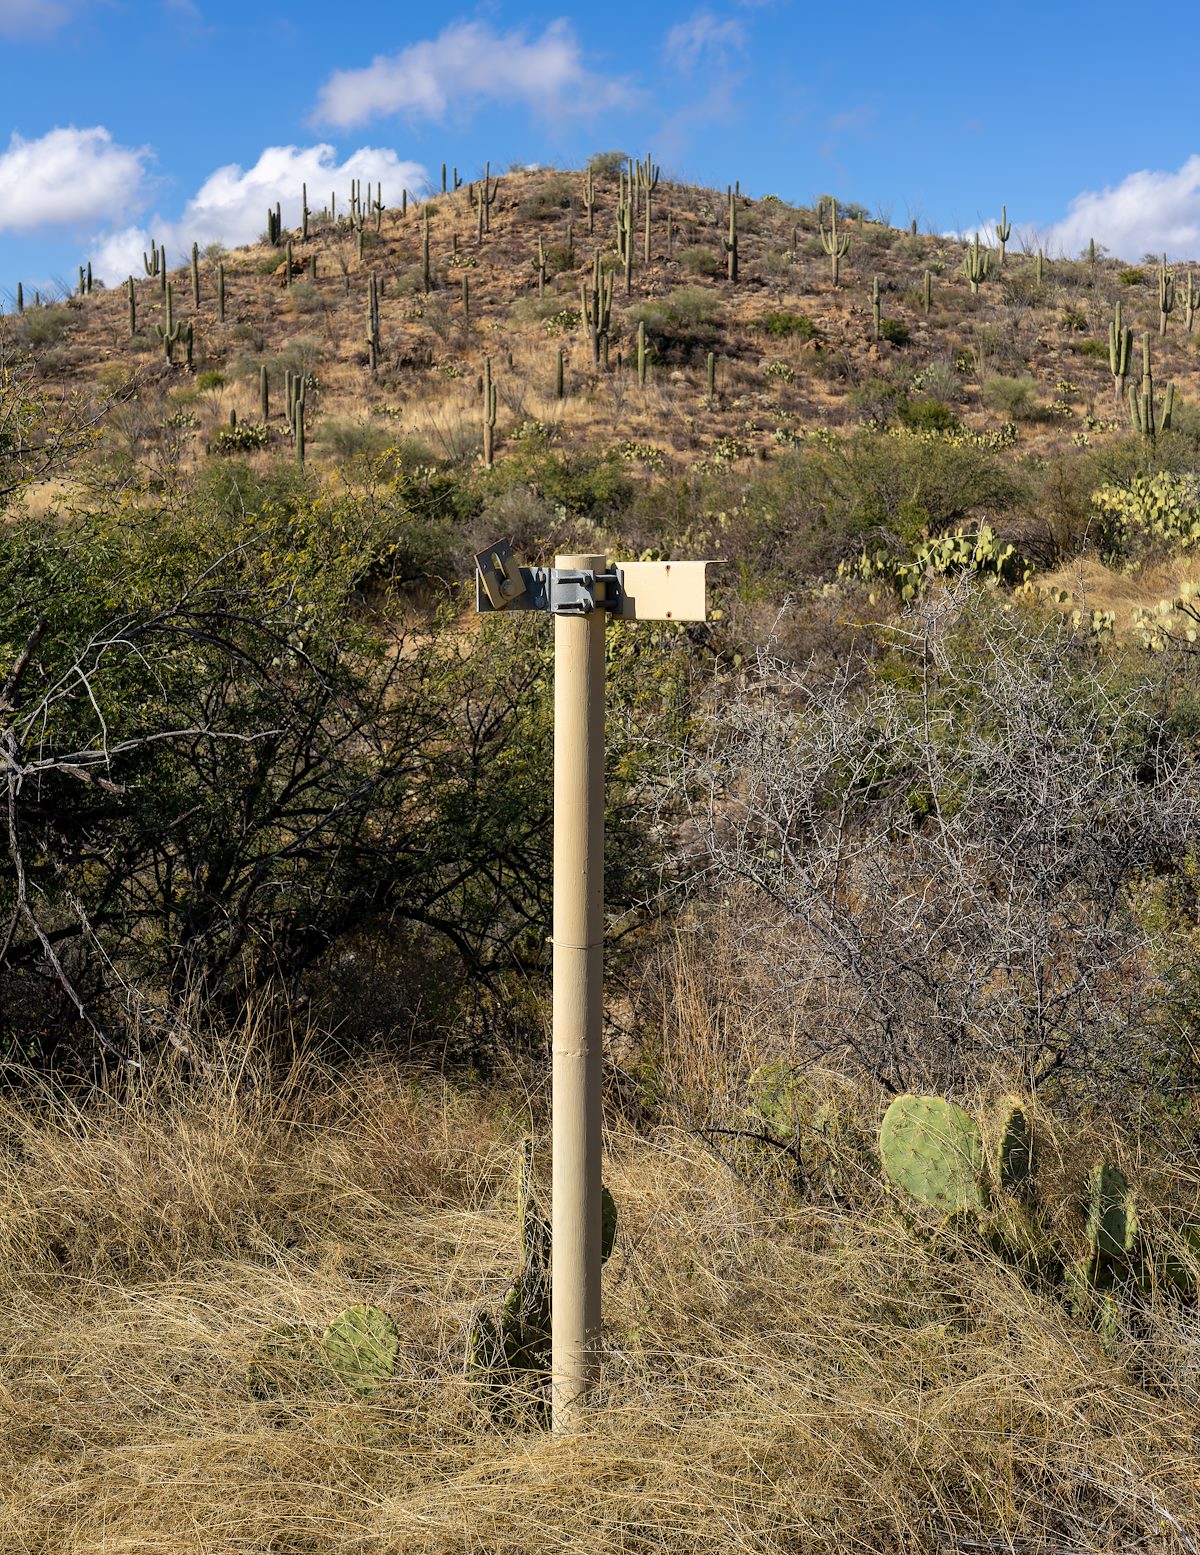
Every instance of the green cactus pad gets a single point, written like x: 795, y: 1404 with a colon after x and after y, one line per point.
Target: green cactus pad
x: 608, y: 1224
x: 934, y: 1151
x: 287, y: 1361
x: 1111, y: 1218
x: 362, y: 1345
x: 1014, y: 1156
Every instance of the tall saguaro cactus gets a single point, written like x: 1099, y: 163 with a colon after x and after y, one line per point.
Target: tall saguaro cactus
x: 373, y: 323
x: 1120, y: 344
x: 835, y: 245
x: 1003, y: 232
x: 488, y: 414
x: 976, y: 263
x: 595, y: 306
x: 1166, y: 294
x: 1119, y: 347
x: 1141, y: 401
x: 132, y: 309
x: 168, y: 332
x: 1191, y: 302
x: 589, y: 199
x: 731, y: 241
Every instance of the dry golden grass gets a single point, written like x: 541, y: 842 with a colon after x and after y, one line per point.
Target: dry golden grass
x: 1094, y: 586
x: 777, y: 1375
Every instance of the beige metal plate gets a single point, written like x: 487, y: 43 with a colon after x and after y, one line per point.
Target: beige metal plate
x: 661, y: 591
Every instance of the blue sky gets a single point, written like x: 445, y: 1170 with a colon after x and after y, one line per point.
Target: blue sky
x: 185, y: 118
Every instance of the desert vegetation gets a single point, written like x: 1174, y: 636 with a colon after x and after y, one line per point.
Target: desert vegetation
x: 902, y: 1026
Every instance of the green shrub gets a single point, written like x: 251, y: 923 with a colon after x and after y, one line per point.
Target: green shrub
x: 1131, y: 277
x: 798, y: 325
x: 1015, y: 397
x: 895, y: 332
x: 686, y: 307
x: 45, y: 326
x: 927, y: 415
x: 1097, y: 349
x: 555, y: 195
x: 700, y: 260
x: 210, y: 380
x: 350, y: 438
x: 607, y: 164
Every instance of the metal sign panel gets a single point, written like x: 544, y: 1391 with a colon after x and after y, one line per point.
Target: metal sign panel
x: 660, y: 591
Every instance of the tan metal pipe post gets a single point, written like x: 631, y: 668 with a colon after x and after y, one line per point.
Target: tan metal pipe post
x: 578, y: 998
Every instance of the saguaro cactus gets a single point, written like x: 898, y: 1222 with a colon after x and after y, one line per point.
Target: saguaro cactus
x: 1003, y: 232
x: 264, y: 392
x: 1120, y: 344
x: 1166, y: 294
x: 274, y: 225
x: 153, y: 261
x: 976, y: 263
x: 168, y: 332
x: 595, y: 306
x: 373, y: 322
x: 559, y: 373
x: 487, y: 195
x: 195, y: 275
x: 304, y: 211
x: 132, y: 307
x: 731, y: 241
x: 1141, y: 402
x: 835, y: 245
x: 589, y: 199
x: 1191, y: 300
x: 489, y: 414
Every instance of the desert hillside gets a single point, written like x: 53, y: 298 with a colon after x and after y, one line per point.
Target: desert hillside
x: 901, y: 1019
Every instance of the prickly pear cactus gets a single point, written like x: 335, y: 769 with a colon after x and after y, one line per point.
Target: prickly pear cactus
x: 608, y: 1224
x: 361, y: 1346
x: 1111, y: 1220
x: 934, y: 1151
x: 1014, y: 1153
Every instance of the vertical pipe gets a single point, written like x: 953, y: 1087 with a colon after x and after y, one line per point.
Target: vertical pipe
x: 578, y: 998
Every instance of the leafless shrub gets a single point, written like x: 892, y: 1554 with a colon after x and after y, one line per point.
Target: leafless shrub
x: 951, y: 848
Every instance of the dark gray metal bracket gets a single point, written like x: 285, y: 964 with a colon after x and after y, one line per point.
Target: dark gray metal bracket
x: 500, y: 584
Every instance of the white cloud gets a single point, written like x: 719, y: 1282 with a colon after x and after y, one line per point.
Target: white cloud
x: 29, y: 18
x: 231, y: 205
x: 1147, y: 212
x: 468, y: 63
x: 68, y: 176
x: 701, y: 33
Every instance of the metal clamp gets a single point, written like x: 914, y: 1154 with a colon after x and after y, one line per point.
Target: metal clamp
x: 574, y: 593
x: 502, y: 584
